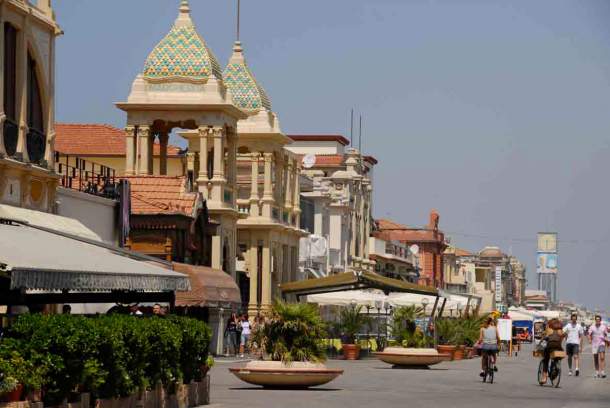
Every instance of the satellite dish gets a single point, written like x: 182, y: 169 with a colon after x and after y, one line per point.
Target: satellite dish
x: 309, y: 160
x: 414, y: 249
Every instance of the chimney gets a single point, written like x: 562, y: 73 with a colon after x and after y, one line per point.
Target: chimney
x: 434, y: 218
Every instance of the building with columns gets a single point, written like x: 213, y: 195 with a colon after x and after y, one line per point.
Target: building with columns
x: 182, y: 87
x: 341, y: 202
x: 27, y: 93
x: 268, y: 193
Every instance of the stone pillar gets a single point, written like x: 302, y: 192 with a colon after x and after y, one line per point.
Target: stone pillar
x: 217, y: 250
x: 50, y: 107
x: 144, y: 142
x: 163, y: 141
x: 203, y: 176
x: 253, y: 254
x: 268, y: 190
x: 218, y: 178
x: 130, y: 151
x: 254, y: 197
x: 288, y: 186
x: 21, y: 93
x: 266, y: 277
x: 297, y: 194
x: 232, y: 165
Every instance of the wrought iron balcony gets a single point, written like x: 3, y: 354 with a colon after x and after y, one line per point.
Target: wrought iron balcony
x: 88, y: 177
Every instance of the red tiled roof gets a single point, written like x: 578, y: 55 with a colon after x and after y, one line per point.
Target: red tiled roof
x: 462, y: 252
x: 371, y: 160
x: 388, y: 224
x: 392, y: 231
x: 96, y: 140
x: 152, y: 195
x: 320, y: 138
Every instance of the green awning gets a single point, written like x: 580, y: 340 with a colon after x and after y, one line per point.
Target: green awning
x: 353, y: 281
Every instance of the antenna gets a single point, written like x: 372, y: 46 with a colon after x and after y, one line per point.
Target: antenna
x: 360, y: 136
x: 351, y: 129
x: 238, y: 15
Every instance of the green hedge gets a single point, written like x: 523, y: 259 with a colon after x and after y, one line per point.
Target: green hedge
x: 109, y: 356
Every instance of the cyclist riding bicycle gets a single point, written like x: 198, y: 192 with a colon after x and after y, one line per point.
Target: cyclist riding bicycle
x: 489, y: 340
x: 553, y: 337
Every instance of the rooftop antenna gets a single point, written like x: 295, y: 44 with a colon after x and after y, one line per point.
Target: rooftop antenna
x: 351, y: 129
x: 238, y: 16
x: 360, y: 136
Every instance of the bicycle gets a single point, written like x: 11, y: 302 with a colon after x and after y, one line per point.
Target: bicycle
x: 489, y: 371
x: 554, y: 374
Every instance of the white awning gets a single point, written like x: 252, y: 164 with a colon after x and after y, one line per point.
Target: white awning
x: 38, y: 258
x: 365, y: 297
x: 46, y: 220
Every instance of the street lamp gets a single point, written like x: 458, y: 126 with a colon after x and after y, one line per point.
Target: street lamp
x: 388, y: 310
x: 378, y: 306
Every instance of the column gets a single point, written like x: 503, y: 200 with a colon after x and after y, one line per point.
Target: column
x: 288, y: 185
x: 143, y: 142
x: 50, y: 97
x: 2, y: 114
x: 163, y: 140
x: 232, y: 166
x: 217, y: 250
x: 267, y: 190
x: 21, y: 92
x: 253, y: 254
x: 266, y: 276
x: 218, y: 178
x: 130, y: 151
x: 203, y: 177
x: 297, y: 194
x: 254, y: 208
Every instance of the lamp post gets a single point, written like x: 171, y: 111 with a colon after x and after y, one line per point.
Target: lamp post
x: 388, y: 310
x: 424, y: 303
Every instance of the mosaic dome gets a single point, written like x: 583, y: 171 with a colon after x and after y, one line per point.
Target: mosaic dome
x: 246, y: 93
x: 182, y: 55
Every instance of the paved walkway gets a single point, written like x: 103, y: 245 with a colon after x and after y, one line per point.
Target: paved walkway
x: 370, y: 383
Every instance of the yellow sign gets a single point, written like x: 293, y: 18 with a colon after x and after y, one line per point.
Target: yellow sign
x: 547, y: 242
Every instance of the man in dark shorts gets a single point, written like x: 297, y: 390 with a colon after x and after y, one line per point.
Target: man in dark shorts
x: 573, y: 333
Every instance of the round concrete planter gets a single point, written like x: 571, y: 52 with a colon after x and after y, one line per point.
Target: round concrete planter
x: 275, y: 374
x: 411, y: 357
x: 447, y: 349
x: 351, y: 351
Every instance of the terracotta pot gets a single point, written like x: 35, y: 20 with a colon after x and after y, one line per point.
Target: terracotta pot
x: 447, y: 349
x: 459, y: 353
x: 351, y: 351
x: 15, y: 395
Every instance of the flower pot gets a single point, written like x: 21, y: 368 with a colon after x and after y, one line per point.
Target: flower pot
x: 459, y: 352
x: 15, y: 395
x: 351, y: 351
x: 447, y: 349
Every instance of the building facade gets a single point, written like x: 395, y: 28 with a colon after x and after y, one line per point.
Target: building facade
x: 27, y: 119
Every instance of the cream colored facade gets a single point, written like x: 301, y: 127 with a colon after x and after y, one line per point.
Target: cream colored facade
x: 342, y: 197
x: 26, y: 154
x: 188, y: 92
x: 175, y: 165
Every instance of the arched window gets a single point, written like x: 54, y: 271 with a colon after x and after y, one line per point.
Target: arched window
x: 36, y: 138
x: 11, y: 129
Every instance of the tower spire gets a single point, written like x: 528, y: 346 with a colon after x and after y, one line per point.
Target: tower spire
x: 238, y: 18
x: 184, y: 17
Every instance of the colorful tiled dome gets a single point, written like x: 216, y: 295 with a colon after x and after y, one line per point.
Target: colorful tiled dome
x: 247, y: 94
x: 182, y: 55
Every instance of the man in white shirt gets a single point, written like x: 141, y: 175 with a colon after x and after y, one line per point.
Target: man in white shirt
x: 574, y: 333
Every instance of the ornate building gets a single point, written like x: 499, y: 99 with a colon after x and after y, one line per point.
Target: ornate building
x: 182, y: 87
x: 27, y: 39
x: 268, y: 193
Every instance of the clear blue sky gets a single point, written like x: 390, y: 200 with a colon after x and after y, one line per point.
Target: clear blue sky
x: 495, y: 113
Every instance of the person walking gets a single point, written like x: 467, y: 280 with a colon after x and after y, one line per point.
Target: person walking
x: 598, y: 337
x: 245, y: 334
x: 231, y: 334
x: 574, y: 333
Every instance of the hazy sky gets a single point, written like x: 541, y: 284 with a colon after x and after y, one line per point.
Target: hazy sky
x: 495, y: 113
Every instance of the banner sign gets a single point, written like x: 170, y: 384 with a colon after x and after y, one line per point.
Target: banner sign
x: 505, y: 329
x: 498, y: 284
x: 546, y: 262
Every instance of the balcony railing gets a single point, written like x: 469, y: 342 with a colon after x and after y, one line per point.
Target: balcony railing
x: 88, y: 177
x: 36, y: 143
x: 243, y: 206
x: 11, y: 136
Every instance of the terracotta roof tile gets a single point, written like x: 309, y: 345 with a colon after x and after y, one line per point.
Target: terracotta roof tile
x: 151, y: 195
x: 389, y: 224
x: 320, y: 138
x: 97, y: 140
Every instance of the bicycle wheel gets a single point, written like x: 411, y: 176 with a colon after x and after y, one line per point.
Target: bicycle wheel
x: 491, y: 375
x: 556, y: 370
x: 486, y: 370
x: 540, y: 372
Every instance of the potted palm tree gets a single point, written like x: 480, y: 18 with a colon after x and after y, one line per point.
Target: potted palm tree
x: 350, y: 324
x: 292, y: 339
x: 445, y: 331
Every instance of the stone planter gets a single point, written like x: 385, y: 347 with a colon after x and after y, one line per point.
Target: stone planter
x: 446, y: 349
x: 351, y: 351
x: 275, y: 374
x: 459, y: 353
x: 411, y: 357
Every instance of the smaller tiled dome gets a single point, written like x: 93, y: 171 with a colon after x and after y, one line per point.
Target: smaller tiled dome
x: 182, y: 55
x: 247, y: 94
